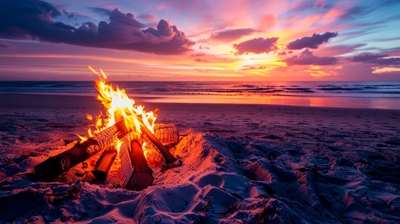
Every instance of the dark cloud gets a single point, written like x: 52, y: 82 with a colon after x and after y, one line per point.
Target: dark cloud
x: 307, y: 58
x: 6, y: 45
x: 69, y: 15
x: 311, y: 42
x: 385, y: 61
x: 27, y: 19
x: 376, y: 59
x: 282, y: 53
x: 230, y: 34
x: 366, y: 57
x: 197, y: 54
x: 256, y: 46
x: 101, y: 11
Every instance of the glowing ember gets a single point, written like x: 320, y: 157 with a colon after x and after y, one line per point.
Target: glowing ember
x: 119, y: 107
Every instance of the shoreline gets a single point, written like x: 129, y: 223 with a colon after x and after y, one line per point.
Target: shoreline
x: 290, y: 101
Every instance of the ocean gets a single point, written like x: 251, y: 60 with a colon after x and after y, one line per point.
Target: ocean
x: 384, y: 95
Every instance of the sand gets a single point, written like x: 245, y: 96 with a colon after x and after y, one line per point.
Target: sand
x: 241, y: 164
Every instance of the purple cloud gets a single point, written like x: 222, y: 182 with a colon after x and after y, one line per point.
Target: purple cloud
x: 376, y: 59
x: 231, y: 34
x: 307, y: 58
x: 385, y: 61
x: 311, y: 42
x: 6, y: 45
x: 366, y: 57
x: 101, y: 11
x: 147, y: 17
x: 256, y: 46
x: 34, y: 20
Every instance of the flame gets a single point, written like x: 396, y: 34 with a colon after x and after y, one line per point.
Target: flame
x: 119, y: 107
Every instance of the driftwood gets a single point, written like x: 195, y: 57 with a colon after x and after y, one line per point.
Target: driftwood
x: 55, y: 165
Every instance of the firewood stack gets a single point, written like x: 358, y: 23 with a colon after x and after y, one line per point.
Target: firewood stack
x: 136, y: 173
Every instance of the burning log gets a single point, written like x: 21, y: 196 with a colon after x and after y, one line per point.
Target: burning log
x: 168, y: 134
x: 55, y: 165
x: 169, y: 158
x: 104, y: 163
x: 135, y: 171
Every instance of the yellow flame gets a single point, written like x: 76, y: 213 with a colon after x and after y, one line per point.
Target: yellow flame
x: 119, y: 107
x: 89, y: 117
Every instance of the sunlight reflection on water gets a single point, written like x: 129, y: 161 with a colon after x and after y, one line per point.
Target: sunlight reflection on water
x: 349, y: 102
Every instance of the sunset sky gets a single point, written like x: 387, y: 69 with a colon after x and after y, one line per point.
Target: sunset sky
x: 253, y: 40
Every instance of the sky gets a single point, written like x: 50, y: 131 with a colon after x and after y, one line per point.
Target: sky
x: 199, y: 40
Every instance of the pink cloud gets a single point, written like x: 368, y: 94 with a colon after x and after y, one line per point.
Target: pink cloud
x: 6, y: 45
x: 307, y: 58
x: 230, y: 34
x: 200, y: 60
x: 257, y: 46
x: 197, y: 54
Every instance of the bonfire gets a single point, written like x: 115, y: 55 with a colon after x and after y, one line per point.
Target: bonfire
x: 126, y: 130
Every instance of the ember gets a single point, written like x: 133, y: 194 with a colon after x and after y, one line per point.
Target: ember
x: 127, y: 130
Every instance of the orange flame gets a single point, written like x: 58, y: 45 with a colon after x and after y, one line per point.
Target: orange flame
x: 119, y: 107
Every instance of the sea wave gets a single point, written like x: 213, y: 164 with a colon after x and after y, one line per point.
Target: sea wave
x: 321, y: 89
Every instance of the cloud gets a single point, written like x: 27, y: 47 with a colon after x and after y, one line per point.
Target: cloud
x: 366, y: 57
x: 376, y: 59
x: 197, y: 54
x: 311, y: 42
x: 230, y: 34
x: 101, y: 11
x: 34, y: 20
x: 249, y: 67
x: 200, y: 60
x: 147, y: 17
x: 201, y: 47
x: 307, y: 58
x: 7, y: 45
x: 385, y: 61
x: 256, y: 46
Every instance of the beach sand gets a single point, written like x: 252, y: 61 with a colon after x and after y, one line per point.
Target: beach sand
x: 241, y: 164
